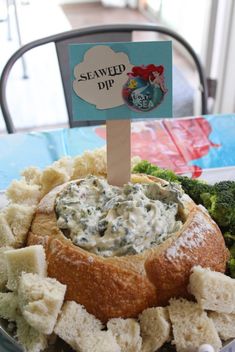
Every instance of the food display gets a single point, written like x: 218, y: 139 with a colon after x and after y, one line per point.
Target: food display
x: 112, y: 269
x: 131, y: 264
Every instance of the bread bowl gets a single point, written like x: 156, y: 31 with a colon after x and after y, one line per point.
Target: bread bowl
x: 124, y: 285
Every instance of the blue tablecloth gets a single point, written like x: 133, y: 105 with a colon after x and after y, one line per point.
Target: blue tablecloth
x: 187, y: 145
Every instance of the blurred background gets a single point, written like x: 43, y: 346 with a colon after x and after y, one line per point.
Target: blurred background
x: 35, y: 90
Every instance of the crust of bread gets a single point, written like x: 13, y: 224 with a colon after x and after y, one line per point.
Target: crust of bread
x: 125, y: 286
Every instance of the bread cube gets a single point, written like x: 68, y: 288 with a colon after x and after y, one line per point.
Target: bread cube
x: 6, y: 234
x: 56, y: 174
x: 22, y: 193
x: 191, y: 326
x: 212, y: 290
x: 19, y: 218
x: 101, y: 341
x: 3, y: 268
x: 32, y: 175
x: 9, y: 306
x: 155, y: 328
x: 224, y: 324
x: 31, y: 339
x: 30, y: 259
x: 91, y: 162
x: 40, y: 301
x: 127, y: 333
x: 75, y: 322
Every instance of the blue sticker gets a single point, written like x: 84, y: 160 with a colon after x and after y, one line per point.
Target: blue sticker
x: 127, y: 80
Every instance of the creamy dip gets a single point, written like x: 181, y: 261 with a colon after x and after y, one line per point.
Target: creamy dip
x: 114, y: 221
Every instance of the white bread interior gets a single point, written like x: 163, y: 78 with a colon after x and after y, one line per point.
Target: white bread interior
x: 191, y: 326
x: 19, y: 218
x: 127, y: 333
x: 224, y: 324
x: 9, y: 306
x: 6, y: 234
x: 40, y: 301
x: 212, y: 290
x: 56, y: 174
x: 155, y: 328
x: 100, y: 341
x: 74, y: 321
x: 3, y: 267
x: 30, y: 259
x: 30, y: 338
x: 21, y: 192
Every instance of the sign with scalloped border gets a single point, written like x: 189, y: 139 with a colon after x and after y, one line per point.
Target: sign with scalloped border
x: 125, y: 80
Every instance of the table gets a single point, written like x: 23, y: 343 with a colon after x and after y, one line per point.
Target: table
x: 202, y: 146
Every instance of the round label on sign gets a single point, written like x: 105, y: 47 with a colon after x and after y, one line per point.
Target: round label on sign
x: 145, y: 87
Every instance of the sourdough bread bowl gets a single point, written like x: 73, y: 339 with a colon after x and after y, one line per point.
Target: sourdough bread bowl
x: 124, y: 282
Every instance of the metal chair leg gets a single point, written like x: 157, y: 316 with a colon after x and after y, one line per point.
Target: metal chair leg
x: 25, y: 75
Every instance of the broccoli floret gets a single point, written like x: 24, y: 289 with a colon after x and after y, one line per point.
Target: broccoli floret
x: 232, y: 250
x: 145, y: 167
x: 218, y: 199
x: 231, y: 263
x: 165, y: 174
x: 223, y: 186
x: 221, y: 206
x: 231, y: 266
x: 195, y: 188
x: 229, y: 238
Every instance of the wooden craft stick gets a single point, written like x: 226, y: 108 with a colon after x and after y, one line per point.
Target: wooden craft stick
x: 118, y: 151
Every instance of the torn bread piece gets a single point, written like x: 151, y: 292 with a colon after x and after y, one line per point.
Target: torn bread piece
x: 82, y: 331
x: 90, y: 163
x: 127, y: 334
x: 155, y: 328
x: 3, y: 267
x: 101, y: 341
x: 191, y: 326
x: 56, y: 174
x: 40, y: 301
x: 19, y: 218
x: 9, y: 306
x: 74, y: 321
x: 30, y: 259
x: 21, y: 192
x: 7, y: 237
x: 32, y: 175
x: 224, y: 324
x: 31, y: 339
x: 212, y: 290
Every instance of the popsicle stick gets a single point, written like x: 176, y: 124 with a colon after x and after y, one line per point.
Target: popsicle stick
x: 118, y: 151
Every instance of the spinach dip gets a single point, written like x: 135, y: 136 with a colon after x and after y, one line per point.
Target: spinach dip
x: 114, y: 221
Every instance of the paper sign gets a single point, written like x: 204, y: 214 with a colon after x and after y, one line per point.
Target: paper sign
x: 121, y: 80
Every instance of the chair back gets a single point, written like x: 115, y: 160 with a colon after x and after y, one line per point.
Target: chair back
x: 104, y: 33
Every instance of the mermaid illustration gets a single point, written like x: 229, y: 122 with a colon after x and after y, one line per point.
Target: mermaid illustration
x: 145, y: 87
x: 158, y: 80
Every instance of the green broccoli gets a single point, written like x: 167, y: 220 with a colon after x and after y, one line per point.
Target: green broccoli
x: 167, y: 175
x: 144, y: 167
x: 221, y: 206
x: 228, y: 237
x: 231, y: 266
x: 225, y: 186
x: 195, y: 188
x: 218, y: 199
